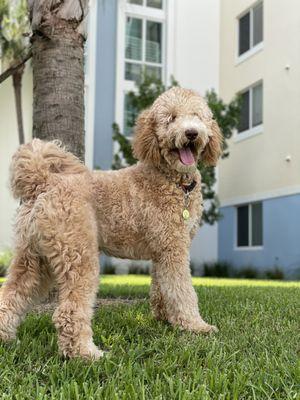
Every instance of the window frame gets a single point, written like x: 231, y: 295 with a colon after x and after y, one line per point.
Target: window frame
x: 122, y: 86
x: 144, y: 4
x: 143, y: 61
x: 250, y: 233
x: 144, y: 13
x: 253, y: 49
x: 252, y: 130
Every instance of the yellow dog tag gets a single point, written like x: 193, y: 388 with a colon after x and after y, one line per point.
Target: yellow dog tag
x: 185, y: 214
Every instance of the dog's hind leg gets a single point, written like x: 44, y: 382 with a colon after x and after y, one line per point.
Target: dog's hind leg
x: 74, y: 262
x: 26, y: 281
x: 77, y: 288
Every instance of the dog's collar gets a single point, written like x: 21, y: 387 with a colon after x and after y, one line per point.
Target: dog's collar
x: 188, y: 188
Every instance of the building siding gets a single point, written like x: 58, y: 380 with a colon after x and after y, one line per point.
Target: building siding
x: 281, y: 232
x: 195, y: 64
x: 259, y: 163
x: 196, y: 44
x: 9, y: 143
x: 265, y: 166
x: 105, y: 83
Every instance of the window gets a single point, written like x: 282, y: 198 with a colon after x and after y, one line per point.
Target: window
x: 245, y: 112
x: 250, y: 225
x: 257, y: 24
x: 143, y: 49
x: 134, y: 39
x: 137, y: 2
x: 149, y: 3
x: 244, y: 34
x: 257, y: 105
x: 154, y: 3
x: 251, y: 108
x: 251, y: 29
x: 153, y: 42
x: 130, y: 114
x: 143, y: 25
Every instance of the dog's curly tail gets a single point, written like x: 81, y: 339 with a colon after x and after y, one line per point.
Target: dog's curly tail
x: 33, y: 163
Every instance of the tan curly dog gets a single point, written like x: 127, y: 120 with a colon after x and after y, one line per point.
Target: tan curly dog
x: 148, y: 211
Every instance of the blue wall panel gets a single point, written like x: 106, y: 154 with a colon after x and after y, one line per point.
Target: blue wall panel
x: 105, y: 83
x: 281, y: 237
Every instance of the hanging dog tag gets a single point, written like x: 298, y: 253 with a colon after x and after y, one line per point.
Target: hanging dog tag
x: 185, y: 214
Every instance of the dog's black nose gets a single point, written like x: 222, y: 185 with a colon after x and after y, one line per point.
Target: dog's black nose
x: 191, y: 134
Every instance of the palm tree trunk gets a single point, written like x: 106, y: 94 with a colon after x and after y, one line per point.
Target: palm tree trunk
x: 58, y: 73
x: 17, y: 83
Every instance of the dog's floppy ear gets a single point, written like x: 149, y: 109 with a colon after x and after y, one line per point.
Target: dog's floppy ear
x: 145, y: 143
x: 213, y: 149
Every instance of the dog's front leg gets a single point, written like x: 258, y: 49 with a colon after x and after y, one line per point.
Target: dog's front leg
x: 178, y: 297
x: 156, y: 298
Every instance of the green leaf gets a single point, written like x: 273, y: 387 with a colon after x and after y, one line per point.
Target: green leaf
x: 14, y: 30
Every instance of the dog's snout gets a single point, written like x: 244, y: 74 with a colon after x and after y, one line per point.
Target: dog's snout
x: 191, y: 134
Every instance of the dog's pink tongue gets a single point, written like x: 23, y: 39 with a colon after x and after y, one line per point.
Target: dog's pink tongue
x: 186, y: 156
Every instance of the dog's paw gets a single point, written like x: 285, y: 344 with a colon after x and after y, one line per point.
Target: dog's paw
x: 7, y: 330
x: 199, y: 326
x: 6, y: 336
x: 87, y: 351
x: 91, y: 352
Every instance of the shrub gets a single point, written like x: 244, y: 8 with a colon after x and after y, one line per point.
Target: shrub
x: 5, y: 259
x: 192, y: 268
x: 275, y: 273
x: 247, y: 273
x: 108, y: 269
x: 139, y: 269
x: 220, y: 269
x: 3, y: 270
x: 223, y: 269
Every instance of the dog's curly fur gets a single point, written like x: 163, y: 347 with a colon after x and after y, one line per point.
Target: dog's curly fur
x: 67, y: 214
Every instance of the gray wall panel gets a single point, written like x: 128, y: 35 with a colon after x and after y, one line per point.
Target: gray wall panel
x: 105, y: 83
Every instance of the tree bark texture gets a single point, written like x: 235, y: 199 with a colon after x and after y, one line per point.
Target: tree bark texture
x: 58, y: 71
x: 17, y: 83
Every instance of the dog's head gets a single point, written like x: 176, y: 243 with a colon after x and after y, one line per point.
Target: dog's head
x: 178, y: 130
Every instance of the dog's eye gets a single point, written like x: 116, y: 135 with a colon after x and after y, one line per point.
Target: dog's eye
x: 171, y: 118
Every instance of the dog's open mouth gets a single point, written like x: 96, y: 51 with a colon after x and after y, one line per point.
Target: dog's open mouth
x: 186, y: 154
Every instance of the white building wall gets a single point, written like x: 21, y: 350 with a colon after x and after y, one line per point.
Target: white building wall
x: 196, y: 44
x: 196, y: 66
x: 266, y: 165
x: 8, y: 144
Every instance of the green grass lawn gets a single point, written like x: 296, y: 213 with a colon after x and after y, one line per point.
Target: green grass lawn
x: 255, y: 355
